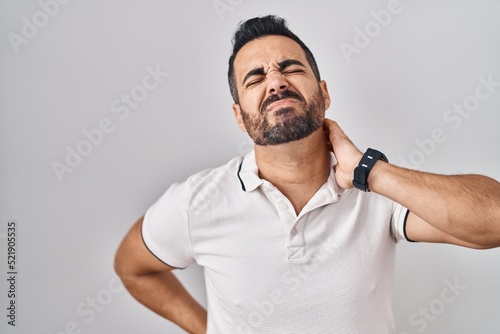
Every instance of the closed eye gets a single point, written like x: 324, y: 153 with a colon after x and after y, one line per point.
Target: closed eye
x: 298, y: 70
x: 286, y: 67
x: 254, y: 82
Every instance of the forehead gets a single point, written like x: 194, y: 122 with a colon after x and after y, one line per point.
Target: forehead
x: 267, y: 51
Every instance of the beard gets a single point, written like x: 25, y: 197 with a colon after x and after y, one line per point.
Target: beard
x: 290, y: 124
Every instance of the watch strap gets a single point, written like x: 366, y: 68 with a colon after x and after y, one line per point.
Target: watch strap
x: 364, y: 167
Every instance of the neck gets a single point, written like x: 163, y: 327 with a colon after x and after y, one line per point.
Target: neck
x: 298, y: 168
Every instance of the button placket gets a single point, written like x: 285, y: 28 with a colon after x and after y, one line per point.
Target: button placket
x: 282, y: 204
x: 295, y: 242
x: 294, y: 235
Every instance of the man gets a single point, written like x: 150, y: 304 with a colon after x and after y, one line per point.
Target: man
x: 287, y: 243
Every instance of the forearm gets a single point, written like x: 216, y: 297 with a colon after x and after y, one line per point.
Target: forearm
x: 164, y: 294
x: 464, y: 206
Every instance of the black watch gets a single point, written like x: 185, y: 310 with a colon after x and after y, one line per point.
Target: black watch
x: 366, y: 163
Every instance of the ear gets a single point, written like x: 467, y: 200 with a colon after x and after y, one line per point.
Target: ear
x: 239, y: 117
x: 326, y: 95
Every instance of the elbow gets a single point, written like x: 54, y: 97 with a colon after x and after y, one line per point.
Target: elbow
x: 481, y: 246
x: 122, y: 271
x: 491, y: 234
x: 119, y: 267
x: 122, y: 266
x: 488, y: 245
x: 487, y: 240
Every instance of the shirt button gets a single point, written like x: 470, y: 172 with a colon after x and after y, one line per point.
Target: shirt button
x: 283, y: 205
x: 293, y: 232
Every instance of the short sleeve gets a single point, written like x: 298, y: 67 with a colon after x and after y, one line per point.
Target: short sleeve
x: 165, y: 228
x: 398, y: 220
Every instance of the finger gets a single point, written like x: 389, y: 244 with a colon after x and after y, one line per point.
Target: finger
x: 333, y: 128
x: 327, y: 124
x: 326, y: 132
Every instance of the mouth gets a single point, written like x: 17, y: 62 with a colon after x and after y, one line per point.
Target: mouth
x: 284, y: 103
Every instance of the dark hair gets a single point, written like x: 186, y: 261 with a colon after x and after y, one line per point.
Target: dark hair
x: 260, y: 27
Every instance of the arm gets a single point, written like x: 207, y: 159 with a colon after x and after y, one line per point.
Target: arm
x: 152, y: 283
x: 456, y: 209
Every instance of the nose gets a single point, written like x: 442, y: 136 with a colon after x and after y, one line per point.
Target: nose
x: 276, y: 82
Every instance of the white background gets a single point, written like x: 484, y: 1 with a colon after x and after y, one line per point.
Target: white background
x: 63, y: 79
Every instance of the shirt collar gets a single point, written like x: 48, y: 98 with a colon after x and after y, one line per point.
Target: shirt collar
x: 248, y: 173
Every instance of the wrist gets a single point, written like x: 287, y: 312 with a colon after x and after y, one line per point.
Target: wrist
x: 374, y: 176
x: 365, y: 168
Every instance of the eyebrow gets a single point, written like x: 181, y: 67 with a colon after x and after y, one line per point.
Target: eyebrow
x: 281, y: 65
x: 289, y: 62
x: 255, y: 71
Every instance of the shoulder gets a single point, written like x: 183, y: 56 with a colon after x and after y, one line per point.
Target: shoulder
x: 211, y: 183
x: 211, y: 176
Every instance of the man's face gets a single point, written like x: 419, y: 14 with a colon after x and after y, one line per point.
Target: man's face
x: 280, y: 99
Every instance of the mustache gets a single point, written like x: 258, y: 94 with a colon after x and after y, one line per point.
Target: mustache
x: 277, y: 97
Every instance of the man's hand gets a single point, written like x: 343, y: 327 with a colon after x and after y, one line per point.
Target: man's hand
x: 348, y: 156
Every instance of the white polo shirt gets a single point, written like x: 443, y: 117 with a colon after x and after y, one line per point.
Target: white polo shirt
x: 267, y: 270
